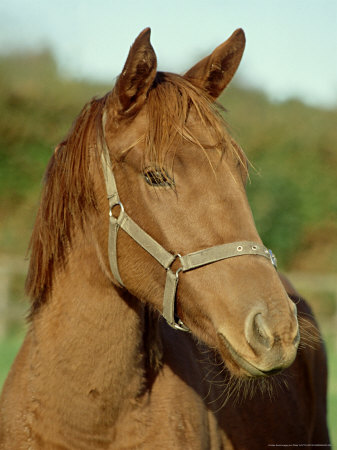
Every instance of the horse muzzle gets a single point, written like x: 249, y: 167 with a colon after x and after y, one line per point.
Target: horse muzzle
x: 267, y: 349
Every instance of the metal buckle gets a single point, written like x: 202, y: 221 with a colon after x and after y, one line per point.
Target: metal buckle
x: 272, y: 258
x: 178, y: 323
x: 120, y: 204
x: 177, y: 255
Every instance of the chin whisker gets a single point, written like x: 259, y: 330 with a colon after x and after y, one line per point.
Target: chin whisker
x: 225, y: 387
x: 309, y: 332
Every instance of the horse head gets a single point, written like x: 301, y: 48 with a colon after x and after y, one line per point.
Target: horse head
x: 180, y: 177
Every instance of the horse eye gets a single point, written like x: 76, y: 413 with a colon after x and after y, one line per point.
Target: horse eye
x: 158, y: 177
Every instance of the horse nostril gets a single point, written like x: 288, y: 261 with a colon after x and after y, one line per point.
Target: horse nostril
x: 261, y: 332
x: 258, y: 334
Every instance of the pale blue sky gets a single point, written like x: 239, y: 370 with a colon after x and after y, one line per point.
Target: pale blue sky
x: 291, y: 44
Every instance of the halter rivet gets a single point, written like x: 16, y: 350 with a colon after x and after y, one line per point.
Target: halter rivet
x: 254, y: 247
x: 239, y: 248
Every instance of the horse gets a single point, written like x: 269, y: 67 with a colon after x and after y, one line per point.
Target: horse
x: 158, y: 318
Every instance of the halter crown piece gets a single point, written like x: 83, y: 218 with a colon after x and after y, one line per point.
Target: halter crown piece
x: 165, y: 258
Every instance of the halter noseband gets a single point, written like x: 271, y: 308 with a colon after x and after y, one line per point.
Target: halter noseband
x: 165, y: 258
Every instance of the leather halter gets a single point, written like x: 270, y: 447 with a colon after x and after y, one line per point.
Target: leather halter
x: 165, y: 258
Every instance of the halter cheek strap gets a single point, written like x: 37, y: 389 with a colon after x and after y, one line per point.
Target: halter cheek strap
x: 188, y: 262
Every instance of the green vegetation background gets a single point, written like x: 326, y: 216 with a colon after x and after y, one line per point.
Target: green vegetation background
x: 293, y: 148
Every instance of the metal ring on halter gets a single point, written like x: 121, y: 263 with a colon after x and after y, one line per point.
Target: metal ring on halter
x: 178, y: 324
x: 181, y: 326
x: 272, y: 258
x: 120, y: 204
x: 177, y: 255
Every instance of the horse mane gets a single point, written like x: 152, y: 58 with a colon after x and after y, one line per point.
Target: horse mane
x: 67, y: 198
x: 68, y: 195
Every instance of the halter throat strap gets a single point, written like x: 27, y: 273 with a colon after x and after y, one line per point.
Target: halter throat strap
x: 165, y: 259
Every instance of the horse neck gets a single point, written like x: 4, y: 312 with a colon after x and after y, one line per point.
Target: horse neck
x: 88, y: 342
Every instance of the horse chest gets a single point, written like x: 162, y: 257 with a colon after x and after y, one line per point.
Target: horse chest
x: 173, y: 415
x: 171, y: 426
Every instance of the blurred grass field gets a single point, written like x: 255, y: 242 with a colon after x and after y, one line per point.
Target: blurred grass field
x: 9, y: 347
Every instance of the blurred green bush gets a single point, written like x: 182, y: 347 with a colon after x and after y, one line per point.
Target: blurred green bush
x: 293, y: 148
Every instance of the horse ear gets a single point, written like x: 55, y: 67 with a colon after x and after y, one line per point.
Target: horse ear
x: 214, y: 72
x: 133, y: 84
